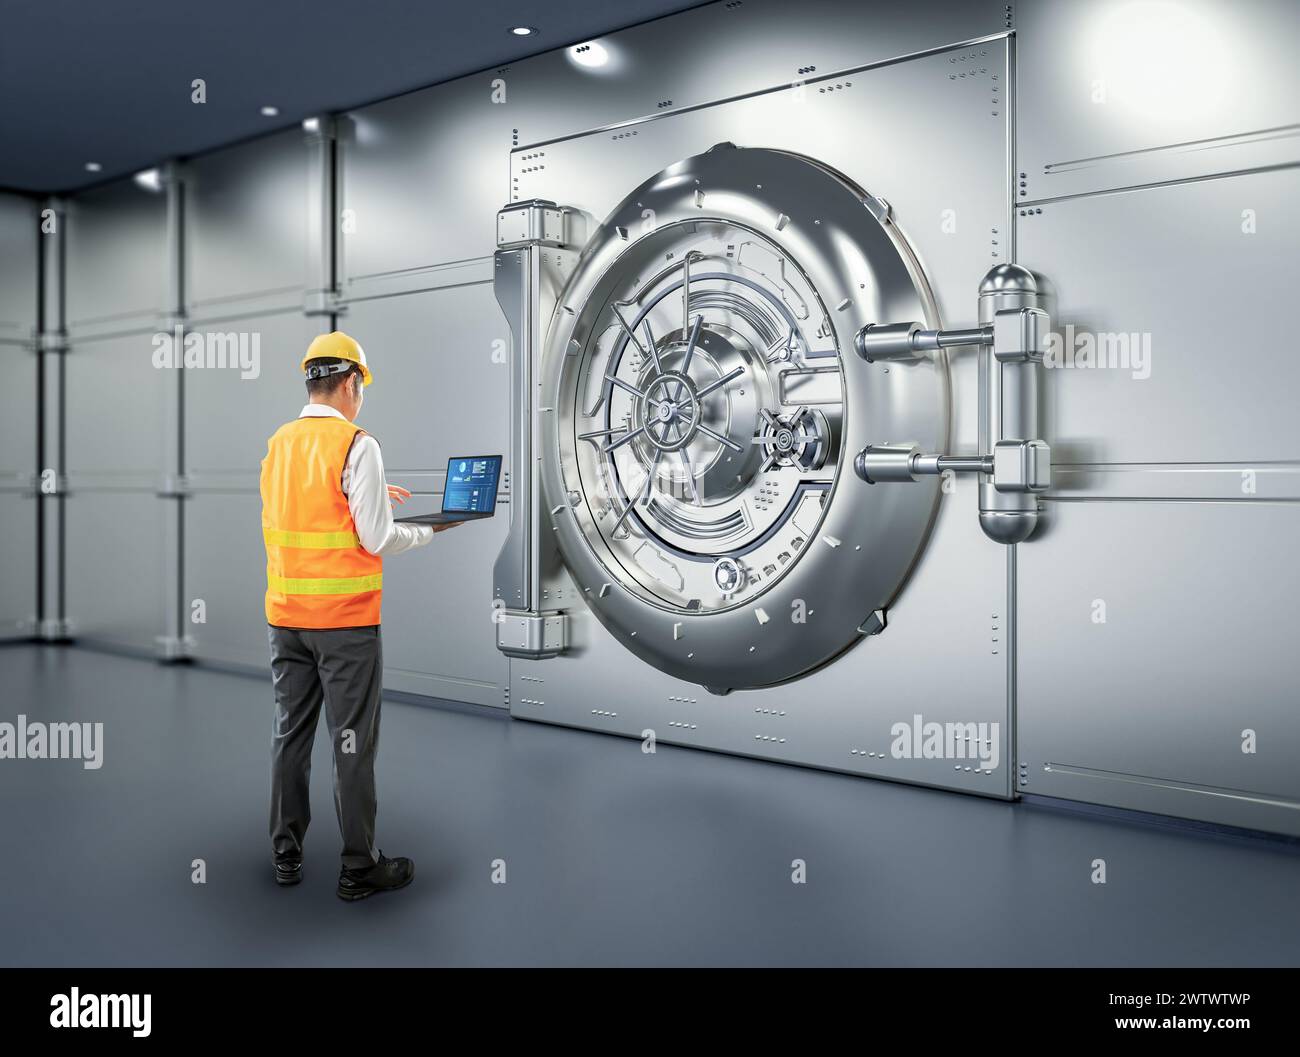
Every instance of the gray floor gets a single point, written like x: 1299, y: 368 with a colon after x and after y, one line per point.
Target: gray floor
x: 612, y: 856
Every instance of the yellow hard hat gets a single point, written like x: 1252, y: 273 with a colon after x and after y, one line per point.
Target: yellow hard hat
x: 338, y: 346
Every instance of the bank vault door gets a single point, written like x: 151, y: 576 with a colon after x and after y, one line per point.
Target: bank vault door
x: 701, y: 406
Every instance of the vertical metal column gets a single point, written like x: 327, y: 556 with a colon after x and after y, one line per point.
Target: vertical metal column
x: 52, y: 471
x: 38, y: 612
x: 175, y: 644
x: 324, y: 247
x: 526, y: 232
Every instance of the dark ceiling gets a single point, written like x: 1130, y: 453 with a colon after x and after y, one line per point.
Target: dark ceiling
x: 109, y: 82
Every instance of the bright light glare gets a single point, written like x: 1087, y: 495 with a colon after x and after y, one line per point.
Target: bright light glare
x: 1160, y: 61
x: 591, y: 54
x: 149, y: 179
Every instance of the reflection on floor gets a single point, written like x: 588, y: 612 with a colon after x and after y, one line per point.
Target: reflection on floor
x: 612, y: 856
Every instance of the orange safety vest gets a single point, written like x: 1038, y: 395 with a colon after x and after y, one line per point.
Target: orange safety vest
x: 317, y: 573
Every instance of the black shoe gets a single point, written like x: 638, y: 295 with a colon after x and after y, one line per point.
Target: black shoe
x: 386, y: 875
x: 288, y: 871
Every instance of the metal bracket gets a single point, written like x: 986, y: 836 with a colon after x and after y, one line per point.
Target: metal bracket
x: 1015, y: 464
x: 1020, y: 335
x: 175, y: 486
x: 537, y: 222
x: 880, y: 209
x: 56, y: 629
x: 323, y: 303
x: 170, y: 321
x: 173, y: 648
x: 875, y: 623
x: 51, y: 341
x: 1022, y: 466
x: 532, y: 635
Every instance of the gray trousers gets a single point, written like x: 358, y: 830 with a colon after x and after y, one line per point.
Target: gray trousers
x: 341, y: 668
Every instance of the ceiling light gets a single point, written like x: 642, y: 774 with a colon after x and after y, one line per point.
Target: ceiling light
x: 149, y: 179
x: 311, y: 124
x: 93, y: 166
x: 590, y: 54
x: 523, y: 31
x: 270, y: 111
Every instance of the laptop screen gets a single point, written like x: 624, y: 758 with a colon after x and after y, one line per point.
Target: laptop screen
x: 471, y: 484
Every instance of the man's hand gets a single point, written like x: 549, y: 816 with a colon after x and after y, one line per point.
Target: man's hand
x: 398, y: 494
x: 444, y: 525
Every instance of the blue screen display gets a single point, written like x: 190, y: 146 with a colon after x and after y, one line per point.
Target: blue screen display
x: 471, y: 484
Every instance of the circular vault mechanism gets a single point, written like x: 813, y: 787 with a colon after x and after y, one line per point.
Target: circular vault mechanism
x: 704, y: 393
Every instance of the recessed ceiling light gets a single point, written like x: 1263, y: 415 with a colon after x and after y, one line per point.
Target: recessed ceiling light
x: 523, y: 31
x: 93, y: 166
x: 149, y: 179
x: 311, y: 124
x: 270, y: 111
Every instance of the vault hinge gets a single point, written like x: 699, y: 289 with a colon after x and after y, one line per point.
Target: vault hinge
x: 1014, y: 465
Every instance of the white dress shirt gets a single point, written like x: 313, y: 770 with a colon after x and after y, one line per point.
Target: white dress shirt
x: 367, y: 492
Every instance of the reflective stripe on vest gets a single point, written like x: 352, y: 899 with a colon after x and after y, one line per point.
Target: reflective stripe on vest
x: 344, y: 585
x: 317, y: 573
x: 321, y: 541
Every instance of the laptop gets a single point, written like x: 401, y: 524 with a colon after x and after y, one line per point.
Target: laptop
x: 470, y: 492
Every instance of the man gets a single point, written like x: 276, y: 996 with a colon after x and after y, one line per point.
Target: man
x: 327, y: 523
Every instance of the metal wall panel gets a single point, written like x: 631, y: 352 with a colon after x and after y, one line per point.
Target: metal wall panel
x: 228, y: 417
x: 247, y: 214
x: 1148, y: 710
x: 225, y: 570
x: 1120, y: 93
x: 18, y: 402
x: 121, y: 536
x: 1125, y: 264
x: 423, y: 177
x: 1158, y: 148
x: 18, y: 571
x: 19, y: 227
x: 121, y: 414
x: 439, y: 638
x: 441, y: 381
x: 117, y: 258
x: 119, y: 546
